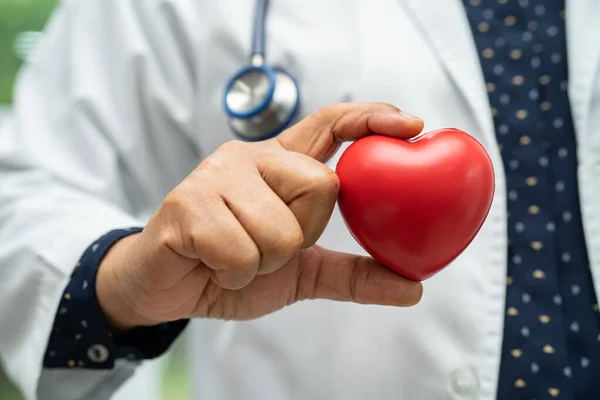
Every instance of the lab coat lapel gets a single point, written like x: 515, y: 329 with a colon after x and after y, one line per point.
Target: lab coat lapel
x: 583, y: 33
x: 445, y: 25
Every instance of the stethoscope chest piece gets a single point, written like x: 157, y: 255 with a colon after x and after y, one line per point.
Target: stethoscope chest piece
x: 260, y: 102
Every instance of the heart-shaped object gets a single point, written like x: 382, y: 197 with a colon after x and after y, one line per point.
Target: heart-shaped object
x: 415, y: 205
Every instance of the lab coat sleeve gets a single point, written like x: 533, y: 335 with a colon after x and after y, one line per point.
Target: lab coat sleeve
x: 76, y: 161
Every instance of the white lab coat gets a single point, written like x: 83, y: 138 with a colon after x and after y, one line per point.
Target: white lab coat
x: 123, y: 99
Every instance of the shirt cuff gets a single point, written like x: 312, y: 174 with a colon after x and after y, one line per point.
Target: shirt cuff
x: 80, y: 337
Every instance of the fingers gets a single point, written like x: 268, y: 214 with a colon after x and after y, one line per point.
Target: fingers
x: 248, y: 208
x: 216, y: 237
x: 267, y: 219
x: 320, y: 134
x: 307, y: 187
x: 331, y: 275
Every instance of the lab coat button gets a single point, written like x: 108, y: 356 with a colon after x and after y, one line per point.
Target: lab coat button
x: 464, y: 384
x: 98, y: 353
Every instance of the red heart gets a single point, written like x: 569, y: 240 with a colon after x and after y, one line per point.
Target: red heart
x: 415, y: 205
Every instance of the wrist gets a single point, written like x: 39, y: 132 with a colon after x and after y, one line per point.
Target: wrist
x: 112, y: 290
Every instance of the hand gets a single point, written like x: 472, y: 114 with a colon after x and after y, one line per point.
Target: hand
x: 235, y: 240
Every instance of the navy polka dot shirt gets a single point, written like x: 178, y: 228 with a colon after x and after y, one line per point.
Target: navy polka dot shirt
x: 551, y: 347
x: 81, y: 338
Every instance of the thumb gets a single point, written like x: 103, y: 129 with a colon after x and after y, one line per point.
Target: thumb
x: 320, y: 134
x: 331, y: 275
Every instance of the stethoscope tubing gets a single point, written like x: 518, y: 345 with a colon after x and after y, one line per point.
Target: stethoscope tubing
x: 258, y: 31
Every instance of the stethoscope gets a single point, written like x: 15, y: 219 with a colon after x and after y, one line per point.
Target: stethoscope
x: 260, y: 101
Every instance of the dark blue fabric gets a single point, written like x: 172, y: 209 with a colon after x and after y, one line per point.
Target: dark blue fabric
x: 551, y: 347
x: 80, y: 337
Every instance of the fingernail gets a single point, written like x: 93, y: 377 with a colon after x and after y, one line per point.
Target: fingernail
x: 410, y: 117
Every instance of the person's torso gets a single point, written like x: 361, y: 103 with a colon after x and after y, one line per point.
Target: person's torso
x: 420, y: 58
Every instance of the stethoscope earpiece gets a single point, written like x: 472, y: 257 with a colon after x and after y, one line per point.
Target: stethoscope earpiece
x: 260, y: 101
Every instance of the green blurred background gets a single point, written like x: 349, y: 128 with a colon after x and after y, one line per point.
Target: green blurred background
x: 17, y: 17
x: 20, y: 23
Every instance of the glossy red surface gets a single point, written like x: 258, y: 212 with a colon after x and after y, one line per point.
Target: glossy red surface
x: 415, y: 205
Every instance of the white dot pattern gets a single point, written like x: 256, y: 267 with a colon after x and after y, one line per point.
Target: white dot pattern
x: 80, y: 336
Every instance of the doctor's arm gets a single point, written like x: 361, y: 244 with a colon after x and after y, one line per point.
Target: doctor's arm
x: 107, y: 74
